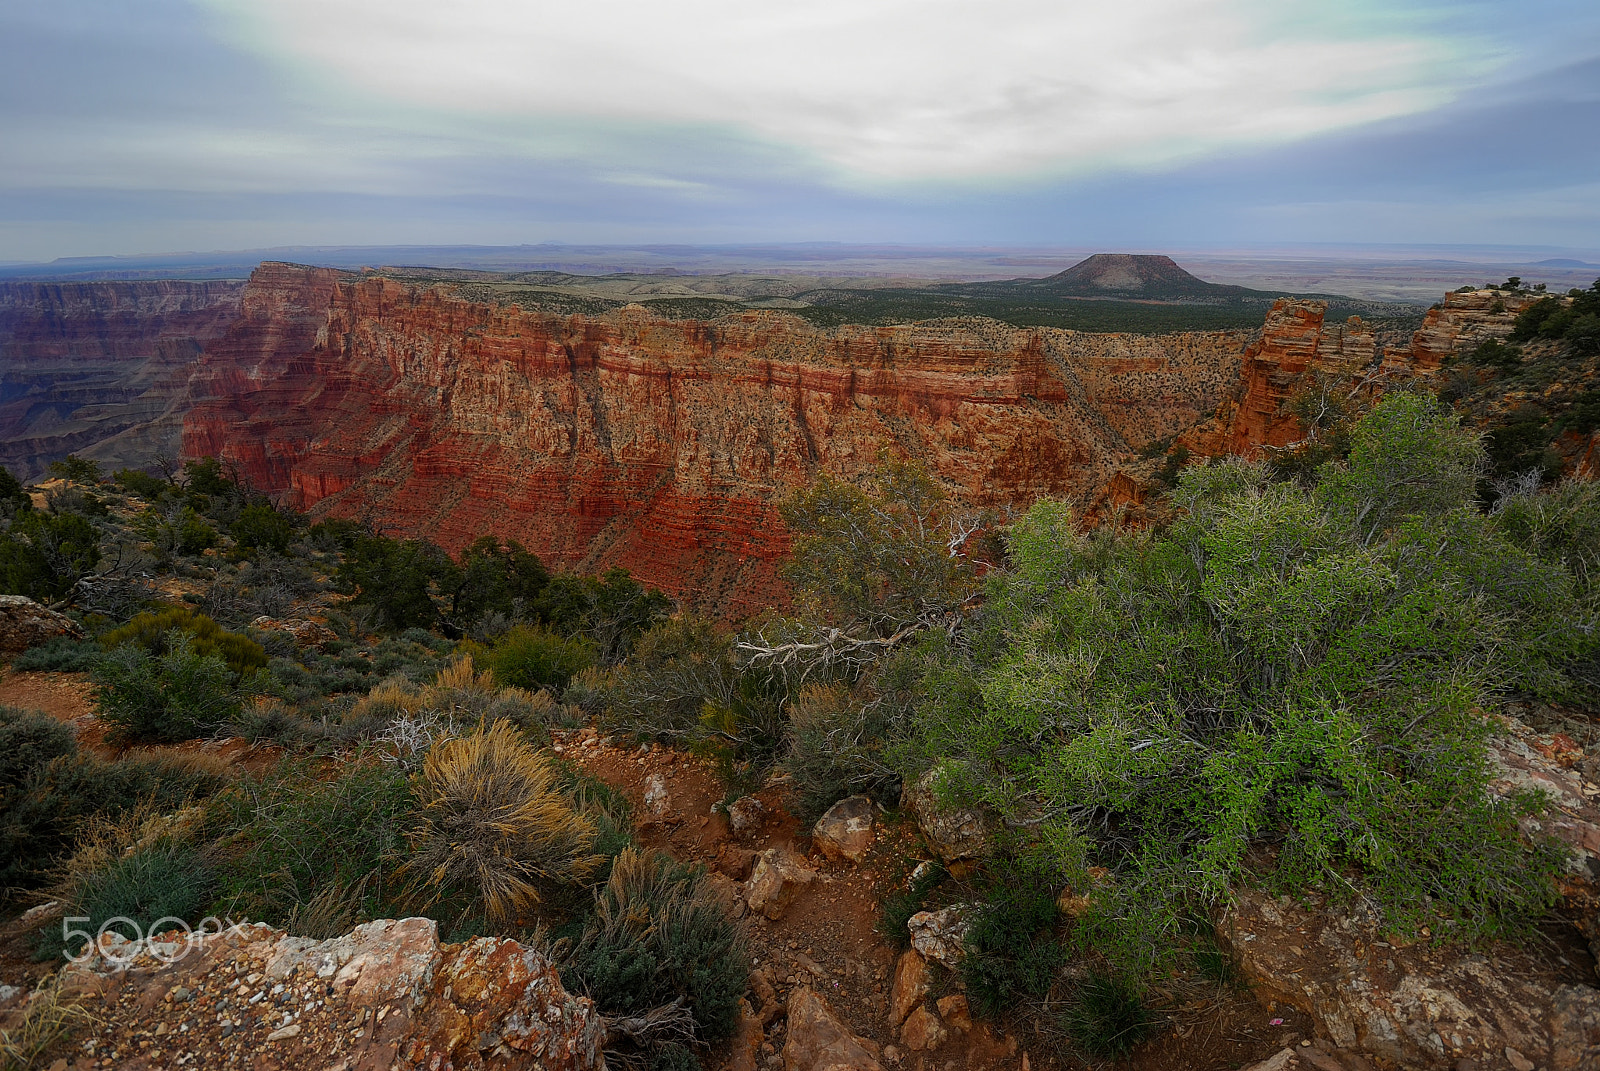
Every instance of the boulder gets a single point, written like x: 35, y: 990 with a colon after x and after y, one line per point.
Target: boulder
x: 953, y: 833
x: 845, y: 832
x: 385, y: 996
x: 24, y: 624
x: 910, y: 986
x: 922, y: 1030
x: 744, y: 1050
x: 1418, y: 1006
x: 941, y: 935
x: 818, y: 1041
x: 306, y: 633
x: 778, y: 877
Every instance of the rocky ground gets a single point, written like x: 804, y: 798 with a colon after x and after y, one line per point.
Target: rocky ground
x: 828, y: 990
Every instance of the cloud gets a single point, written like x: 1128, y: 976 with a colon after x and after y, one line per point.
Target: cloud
x: 891, y: 90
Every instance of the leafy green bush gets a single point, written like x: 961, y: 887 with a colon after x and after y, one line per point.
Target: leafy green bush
x: 140, y: 483
x: 894, y: 914
x: 76, y: 469
x: 293, y: 836
x: 535, y: 658
x: 659, y: 934
x: 835, y: 748
x: 676, y: 668
x: 61, y: 655
x: 175, y: 696
x: 1303, y: 667
x: 153, y: 632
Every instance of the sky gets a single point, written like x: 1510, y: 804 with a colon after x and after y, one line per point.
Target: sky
x: 170, y: 125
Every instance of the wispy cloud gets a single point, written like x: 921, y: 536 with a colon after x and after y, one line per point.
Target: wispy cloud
x: 892, y: 89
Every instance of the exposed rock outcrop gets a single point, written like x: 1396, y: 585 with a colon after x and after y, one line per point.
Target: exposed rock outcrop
x: 779, y: 876
x: 954, y: 833
x: 1460, y: 323
x: 24, y: 624
x: 386, y: 995
x: 1421, y: 1005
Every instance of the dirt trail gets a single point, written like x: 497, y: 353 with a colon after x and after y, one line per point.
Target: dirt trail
x: 827, y: 939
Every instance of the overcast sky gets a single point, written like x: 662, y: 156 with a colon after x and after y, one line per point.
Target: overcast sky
x: 166, y: 125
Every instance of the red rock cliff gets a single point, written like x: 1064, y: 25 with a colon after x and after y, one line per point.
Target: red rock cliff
x: 661, y: 446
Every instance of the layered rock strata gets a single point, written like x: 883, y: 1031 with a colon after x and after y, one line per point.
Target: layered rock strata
x: 657, y: 445
x: 101, y: 369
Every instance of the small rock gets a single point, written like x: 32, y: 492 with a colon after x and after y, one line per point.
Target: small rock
x: 778, y: 877
x: 283, y: 1033
x: 656, y: 800
x: 923, y: 1032
x: 939, y: 935
x: 39, y: 915
x: 955, y: 1011
x: 891, y: 1054
x: 746, y: 814
x: 845, y: 832
x: 1518, y: 1061
x: 910, y: 986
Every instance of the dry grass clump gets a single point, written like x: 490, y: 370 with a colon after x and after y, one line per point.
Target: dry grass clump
x: 460, y: 692
x: 48, y: 1017
x: 495, y: 827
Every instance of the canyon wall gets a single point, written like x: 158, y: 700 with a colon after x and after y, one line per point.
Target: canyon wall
x: 662, y: 446
x: 98, y: 368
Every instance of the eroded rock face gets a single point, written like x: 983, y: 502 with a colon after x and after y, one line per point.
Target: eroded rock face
x: 845, y: 832
x: 1460, y: 323
x: 24, y: 624
x: 1551, y: 763
x: 779, y: 876
x: 385, y: 996
x: 922, y: 1030
x: 1419, y: 1006
x: 818, y: 1041
x: 660, y: 446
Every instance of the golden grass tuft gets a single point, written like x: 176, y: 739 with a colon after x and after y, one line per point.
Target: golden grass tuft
x: 48, y: 1017
x: 461, y: 676
x: 495, y: 826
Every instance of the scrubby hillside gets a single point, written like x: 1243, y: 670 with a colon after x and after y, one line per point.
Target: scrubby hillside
x: 987, y: 785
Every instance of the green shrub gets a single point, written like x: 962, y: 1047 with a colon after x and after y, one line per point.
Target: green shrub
x: 260, y: 527
x: 1304, y: 667
x: 534, y: 658
x: 659, y: 934
x: 76, y: 469
x: 676, y: 668
x: 153, y: 632
x: 1107, y: 1017
x: 143, y: 484
x: 175, y: 696
x: 60, y: 655
x: 164, y: 881
x: 44, y: 555
x: 293, y: 836
x: 1011, y: 949
x: 49, y: 788
x: 835, y: 749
